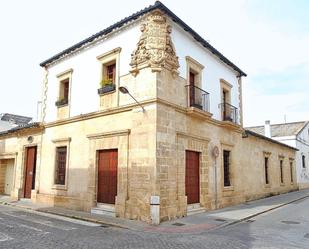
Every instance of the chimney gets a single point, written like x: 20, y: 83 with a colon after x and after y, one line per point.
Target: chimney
x: 267, y: 129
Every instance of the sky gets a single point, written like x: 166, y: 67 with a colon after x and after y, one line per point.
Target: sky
x: 267, y: 39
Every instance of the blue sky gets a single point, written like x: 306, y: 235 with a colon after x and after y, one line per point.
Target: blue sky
x: 268, y: 39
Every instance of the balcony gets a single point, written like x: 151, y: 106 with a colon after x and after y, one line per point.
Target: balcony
x: 198, y: 98
x: 229, y: 112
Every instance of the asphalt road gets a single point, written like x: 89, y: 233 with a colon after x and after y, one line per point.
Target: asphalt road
x: 286, y: 227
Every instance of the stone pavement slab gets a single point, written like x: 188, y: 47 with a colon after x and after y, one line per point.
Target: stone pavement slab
x: 230, y: 215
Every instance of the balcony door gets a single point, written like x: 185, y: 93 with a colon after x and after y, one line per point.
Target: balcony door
x: 192, y: 88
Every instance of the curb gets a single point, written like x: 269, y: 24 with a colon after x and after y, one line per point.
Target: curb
x: 262, y: 212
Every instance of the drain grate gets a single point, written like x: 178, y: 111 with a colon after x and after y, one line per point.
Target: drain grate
x: 221, y: 220
x: 178, y: 224
x: 290, y: 222
x: 250, y: 221
x: 307, y: 236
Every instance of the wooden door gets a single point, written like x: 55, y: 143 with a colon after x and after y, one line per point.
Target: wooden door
x: 107, y: 176
x: 192, y: 177
x: 30, y: 165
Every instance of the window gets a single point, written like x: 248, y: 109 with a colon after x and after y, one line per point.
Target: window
x: 228, y: 111
x: 304, y: 161
x: 281, y: 171
x: 64, y: 92
x: 266, y: 170
x: 226, y: 168
x: 109, y: 73
x: 61, y: 160
x: 64, y: 80
x: 291, y: 171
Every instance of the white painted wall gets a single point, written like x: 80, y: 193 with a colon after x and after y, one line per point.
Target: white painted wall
x: 87, y: 70
x: 213, y: 71
x: 301, y: 142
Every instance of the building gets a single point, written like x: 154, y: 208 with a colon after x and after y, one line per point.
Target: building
x: 181, y: 149
x: 295, y: 134
x: 9, y: 121
x: 9, y: 124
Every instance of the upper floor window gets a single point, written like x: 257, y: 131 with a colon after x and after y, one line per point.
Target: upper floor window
x: 303, y: 161
x: 228, y: 111
x: 197, y: 97
x: 109, y: 71
x: 64, y: 88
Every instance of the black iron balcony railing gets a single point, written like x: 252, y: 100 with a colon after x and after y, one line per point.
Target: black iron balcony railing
x: 198, y: 98
x: 229, y: 112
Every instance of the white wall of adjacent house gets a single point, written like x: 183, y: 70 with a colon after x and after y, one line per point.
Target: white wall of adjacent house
x: 214, y: 69
x: 87, y: 70
x: 301, y: 142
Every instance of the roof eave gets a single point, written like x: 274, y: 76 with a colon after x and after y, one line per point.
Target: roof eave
x: 269, y: 139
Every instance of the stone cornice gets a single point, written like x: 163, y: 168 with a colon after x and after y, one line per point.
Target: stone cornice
x: 109, y: 134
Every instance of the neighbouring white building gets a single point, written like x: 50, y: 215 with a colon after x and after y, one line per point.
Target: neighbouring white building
x: 294, y: 134
x: 9, y: 121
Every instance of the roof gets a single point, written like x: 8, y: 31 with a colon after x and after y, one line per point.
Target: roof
x: 20, y: 127
x: 4, y: 125
x: 157, y: 5
x: 281, y: 130
x: 248, y: 132
x: 15, y: 119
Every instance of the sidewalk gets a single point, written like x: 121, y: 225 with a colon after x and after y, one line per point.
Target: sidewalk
x: 190, y: 224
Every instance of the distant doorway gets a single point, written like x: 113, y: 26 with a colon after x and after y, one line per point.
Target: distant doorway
x: 30, y: 168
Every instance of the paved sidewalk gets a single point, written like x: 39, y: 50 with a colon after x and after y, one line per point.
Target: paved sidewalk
x: 190, y: 224
x: 230, y: 215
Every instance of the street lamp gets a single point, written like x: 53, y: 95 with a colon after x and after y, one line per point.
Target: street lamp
x: 125, y: 90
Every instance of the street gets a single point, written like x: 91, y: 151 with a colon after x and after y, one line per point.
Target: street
x: 285, y: 227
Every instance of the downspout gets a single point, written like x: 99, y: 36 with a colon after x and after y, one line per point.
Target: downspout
x: 42, y: 121
x: 240, y: 100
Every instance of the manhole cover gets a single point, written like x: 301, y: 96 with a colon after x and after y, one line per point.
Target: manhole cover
x: 178, y: 224
x: 290, y: 222
x: 307, y: 236
x: 221, y: 220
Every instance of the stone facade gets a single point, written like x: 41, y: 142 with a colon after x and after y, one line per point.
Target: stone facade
x: 151, y: 144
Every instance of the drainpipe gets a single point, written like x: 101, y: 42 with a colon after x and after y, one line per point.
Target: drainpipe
x: 241, y: 117
x: 42, y: 119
